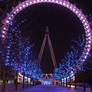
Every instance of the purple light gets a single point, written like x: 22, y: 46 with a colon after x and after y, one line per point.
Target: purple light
x: 14, y: 12
x: 71, y: 6
x: 27, y: 4
x: 56, y: 1
x: 24, y: 5
x: 74, y: 8
x: 87, y: 27
x: 53, y: 1
x: 89, y: 42
x: 3, y: 36
x: 68, y: 5
x: 20, y: 7
x: 41, y: 0
x: 84, y: 20
x: 79, y: 14
x: 77, y: 11
x: 9, y: 18
x: 17, y: 9
x: 30, y: 2
x: 38, y: 0
x: 4, y: 28
x: 12, y: 15
x: 85, y: 23
x: 34, y: 1
x: 88, y: 30
x: 82, y: 17
x: 7, y: 21
x: 88, y: 49
x: 88, y: 34
x: 60, y: 2
x: 4, y: 32
x: 88, y: 46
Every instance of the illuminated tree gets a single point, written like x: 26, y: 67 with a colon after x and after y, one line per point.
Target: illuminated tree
x: 21, y: 51
x: 69, y: 62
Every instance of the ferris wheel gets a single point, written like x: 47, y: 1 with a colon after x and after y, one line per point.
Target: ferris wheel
x: 88, y: 35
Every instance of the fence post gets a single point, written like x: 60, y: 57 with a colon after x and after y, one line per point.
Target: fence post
x: 4, y: 80
x: 27, y: 81
x: 16, y: 81
x: 75, y: 82
x: 66, y: 81
x: 23, y: 80
x: 70, y: 82
x: 84, y: 87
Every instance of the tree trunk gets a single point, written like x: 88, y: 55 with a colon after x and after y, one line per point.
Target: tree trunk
x: 84, y: 87
x: 30, y: 82
x: 16, y: 82
x: 23, y: 81
x: 70, y: 82
x: 27, y: 82
x: 3, y: 86
x: 75, y: 82
x: 66, y: 82
x: 4, y: 80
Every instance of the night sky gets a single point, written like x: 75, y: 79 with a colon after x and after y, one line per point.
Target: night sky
x: 63, y: 26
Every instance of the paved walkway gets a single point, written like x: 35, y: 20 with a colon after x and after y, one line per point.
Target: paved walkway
x: 50, y: 88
